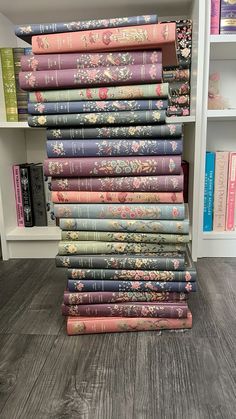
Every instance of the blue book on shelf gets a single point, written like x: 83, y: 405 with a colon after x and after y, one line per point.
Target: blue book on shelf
x: 209, y: 191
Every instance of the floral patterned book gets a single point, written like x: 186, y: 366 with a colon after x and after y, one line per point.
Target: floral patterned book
x: 176, y: 75
x: 146, y: 184
x: 134, y: 91
x: 39, y: 108
x: 75, y: 298
x: 99, y: 247
x: 142, y: 226
x: 107, y: 76
x: 165, y: 261
x: 90, y: 325
x: 125, y: 286
x: 92, y: 60
x: 110, y: 147
x: 135, y: 131
x: 90, y: 197
x: 116, y: 166
x: 174, y: 310
x: 98, y: 118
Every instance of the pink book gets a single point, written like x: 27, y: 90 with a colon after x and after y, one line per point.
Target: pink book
x: 18, y: 196
x: 231, y: 192
x: 88, y: 325
x: 159, y: 35
x: 220, y: 190
x: 215, y: 17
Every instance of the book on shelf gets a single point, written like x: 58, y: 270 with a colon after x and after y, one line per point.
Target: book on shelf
x: 9, y: 84
x: 220, y: 190
x: 26, y: 195
x: 209, y: 191
x: 215, y: 17
x: 18, y: 195
x: 227, y: 17
x: 231, y: 193
x: 38, y: 194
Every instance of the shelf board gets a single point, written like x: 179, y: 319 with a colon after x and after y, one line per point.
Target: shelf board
x: 34, y: 233
x: 219, y: 235
x: 180, y: 119
x: 4, y: 124
x: 223, y: 47
x: 221, y: 114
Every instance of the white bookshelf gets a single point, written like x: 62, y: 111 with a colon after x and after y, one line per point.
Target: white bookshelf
x: 19, y: 143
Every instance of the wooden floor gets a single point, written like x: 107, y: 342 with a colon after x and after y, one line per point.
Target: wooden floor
x: 147, y: 375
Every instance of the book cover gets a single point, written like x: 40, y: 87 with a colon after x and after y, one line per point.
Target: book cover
x: 20, y: 94
x: 176, y: 75
x: 18, y: 195
x: 209, y: 191
x: 179, y: 88
x: 26, y: 195
x: 116, y: 148
x: 90, y: 325
x: 38, y: 194
x: 116, y: 197
x: 231, y: 193
x: 180, y: 100
x: 51, y: 219
x: 9, y: 84
x: 184, y: 42
x: 176, y: 310
x: 228, y: 17
x: 215, y: 17
x: 185, y: 167
x: 220, y: 190
x: 92, y: 60
x: 176, y: 110
x: 158, y: 36
x: 112, y: 166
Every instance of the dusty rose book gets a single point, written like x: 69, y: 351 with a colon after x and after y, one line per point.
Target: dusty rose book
x: 220, y: 190
x: 231, y: 193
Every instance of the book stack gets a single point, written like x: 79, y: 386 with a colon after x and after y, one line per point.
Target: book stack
x: 223, y: 17
x: 117, y: 180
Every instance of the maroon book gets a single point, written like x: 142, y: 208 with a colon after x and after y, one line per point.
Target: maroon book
x: 185, y: 167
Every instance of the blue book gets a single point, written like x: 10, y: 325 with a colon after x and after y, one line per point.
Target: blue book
x: 209, y: 191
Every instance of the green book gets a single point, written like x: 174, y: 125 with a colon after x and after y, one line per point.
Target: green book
x: 9, y: 84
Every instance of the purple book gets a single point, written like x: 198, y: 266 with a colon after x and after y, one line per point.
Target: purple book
x: 120, y: 75
x: 134, y: 309
x: 92, y: 60
x: 116, y: 166
x: 228, y: 17
x: 120, y: 184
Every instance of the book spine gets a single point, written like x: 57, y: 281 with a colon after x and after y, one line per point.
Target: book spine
x: 92, y: 60
x: 135, y: 309
x: 179, y: 88
x: 185, y: 167
x: 38, y: 195
x: 209, y: 191
x: 18, y: 196
x: 51, y: 219
x: 215, y: 17
x: 116, y: 166
x: 125, y: 211
x: 72, y: 78
x: 116, y: 197
x: 99, y: 247
x: 228, y: 17
x: 220, y: 190
x: 175, y: 110
x: 168, y: 261
x: 21, y: 96
x: 99, y: 118
x: 176, y: 75
x: 109, y: 236
x: 86, y: 325
x: 132, y: 275
x: 139, y: 37
x: 231, y: 193
x: 124, y: 286
x: 181, y: 100
x: 39, y: 108
x: 47, y: 28
x: 75, y: 298
x: 139, y: 183
x: 9, y: 84
x: 147, y: 226
x: 116, y: 148
x: 26, y: 196
x: 134, y: 131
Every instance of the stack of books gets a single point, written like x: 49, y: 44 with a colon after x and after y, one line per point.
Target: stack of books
x: 117, y: 179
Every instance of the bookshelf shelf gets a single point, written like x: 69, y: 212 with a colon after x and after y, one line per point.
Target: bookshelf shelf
x: 221, y: 115
x: 34, y: 233
x: 223, y: 47
x: 219, y: 235
x: 22, y: 125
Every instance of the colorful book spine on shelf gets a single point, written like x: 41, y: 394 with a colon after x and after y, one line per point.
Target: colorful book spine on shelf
x: 228, y: 17
x: 215, y: 17
x: 147, y: 226
x: 51, y: 219
x: 209, y: 191
x: 26, y: 195
x: 38, y: 194
x: 176, y: 75
x: 184, y: 43
x: 220, y: 190
x: 159, y: 35
x: 174, y: 310
x: 133, y: 91
x: 39, y: 108
x: 20, y: 94
x: 18, y: 196
x: 9, y: 84
x: 180, y: 100
x: 108, y: 76
x: 120, y: 184
x: 116, y: 166
x: 91, y: 197
x: 179, y: 88
x: 167, y: 261
x: 92, y: 60
x: 175, y: 110
x: 185, y: 167
x: 76, y: 298
x: 231, y: 193
x: 90, y: 325
x: 127, y: 211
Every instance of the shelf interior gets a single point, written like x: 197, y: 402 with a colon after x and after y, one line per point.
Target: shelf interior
x: 221, y: 114
x: 34, y: 233
x: 223, y: 47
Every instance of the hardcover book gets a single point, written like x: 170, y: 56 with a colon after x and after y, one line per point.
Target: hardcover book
x: 21, y: 96
x: 220, y: 190
x: 26, y: 195
x: 9, y: 84
x: 176, y: 75
x: 228, y: 17
x: 215, y: 17
x: 209, y: 191
x: 18, y: 195
x: 231, y: 193
x: 38, y: 194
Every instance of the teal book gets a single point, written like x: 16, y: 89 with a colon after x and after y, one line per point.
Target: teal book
x: 209, y: 191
